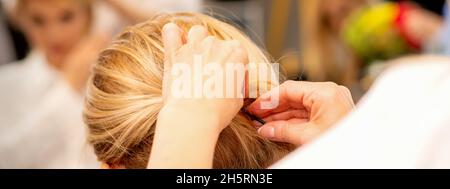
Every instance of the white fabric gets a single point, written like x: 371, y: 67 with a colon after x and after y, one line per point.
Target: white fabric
x: 403, y: 122
x: 40, y: 119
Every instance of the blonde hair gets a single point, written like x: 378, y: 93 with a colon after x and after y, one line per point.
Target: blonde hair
x: 124, y: 97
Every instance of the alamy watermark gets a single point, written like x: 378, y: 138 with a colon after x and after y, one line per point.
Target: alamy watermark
x: 225, y: 80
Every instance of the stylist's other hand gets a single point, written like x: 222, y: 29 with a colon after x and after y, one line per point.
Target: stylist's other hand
x: 305, y: 110
x: 198, y: 50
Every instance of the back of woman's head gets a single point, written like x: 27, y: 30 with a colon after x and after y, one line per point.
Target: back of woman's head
x: 125, y: 95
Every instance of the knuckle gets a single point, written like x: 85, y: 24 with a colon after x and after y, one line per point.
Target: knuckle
x: 226, y: 49
x: 329, y: 90
x: 344, y: 89
x: 168, y: 26
x: 329, y: 93
x: 234, y: 43
x: 330, y: 84
x: 241, y: 53
x: 289, y: 83
x: 208, y: 42
x: 210, y: 39
x: 288, y: 132
x: 280, y: 133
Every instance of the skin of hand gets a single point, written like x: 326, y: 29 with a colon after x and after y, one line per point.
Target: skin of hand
x: 76, y: 69
x: 305, y: 110
x: 189, y: 140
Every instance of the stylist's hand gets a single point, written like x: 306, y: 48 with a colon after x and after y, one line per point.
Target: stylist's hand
x: 306, y: 110
x: 203, y: 50
x: 190, y: 122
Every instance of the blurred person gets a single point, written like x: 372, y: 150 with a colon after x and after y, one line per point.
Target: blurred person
x: 125, y: 98
x: 41, y: 99
x: 111, y: 16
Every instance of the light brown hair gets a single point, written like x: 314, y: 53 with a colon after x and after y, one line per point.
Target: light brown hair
x: 125, y: 95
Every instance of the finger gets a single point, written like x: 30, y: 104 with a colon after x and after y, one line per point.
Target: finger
x: 239, y: 54
x: 268, y: 112
x: 290, y: 93
x: 346, y: 92
x: 221, y: 52
x: 283, y: 131
x: 208, y: 42
x: 207, y: 45
x: 172, y: 40
x: 256, y: 108
x: 290, y: 114
x: 239, y: 60
x: 197, y: 34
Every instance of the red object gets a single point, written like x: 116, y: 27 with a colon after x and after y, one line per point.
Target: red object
x: 403, y: 9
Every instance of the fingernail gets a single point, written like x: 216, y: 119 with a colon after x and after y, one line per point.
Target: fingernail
x: 170, y: 29
x: 268, y: 132
x: 170, y: 25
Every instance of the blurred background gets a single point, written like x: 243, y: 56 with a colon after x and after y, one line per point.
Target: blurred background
x: 43, y: 42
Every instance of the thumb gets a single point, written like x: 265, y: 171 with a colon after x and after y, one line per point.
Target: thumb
x: 293, y: 132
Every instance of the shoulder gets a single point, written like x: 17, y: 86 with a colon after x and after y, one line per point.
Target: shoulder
x: 419, y: 66
x: 11, y: 71
x: 415, y: 73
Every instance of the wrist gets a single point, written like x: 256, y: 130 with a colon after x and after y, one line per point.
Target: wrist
x: 192, y: 117
x: 179, y: 134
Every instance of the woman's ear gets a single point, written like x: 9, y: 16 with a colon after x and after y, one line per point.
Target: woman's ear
x: 108, y: 166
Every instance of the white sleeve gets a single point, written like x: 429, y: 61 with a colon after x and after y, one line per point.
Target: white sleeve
x: 403, y: 122
x: 50, y: 135
x: 64, y: 108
